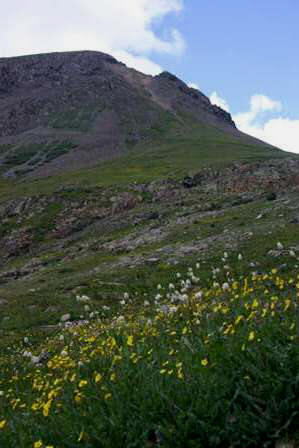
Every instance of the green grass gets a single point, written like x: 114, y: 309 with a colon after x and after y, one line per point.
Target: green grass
x: 168, y: 157
x: 219, y: 370
x: 195, y: 377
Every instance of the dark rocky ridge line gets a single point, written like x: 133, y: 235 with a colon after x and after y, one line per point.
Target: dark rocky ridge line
x: 94, y: 103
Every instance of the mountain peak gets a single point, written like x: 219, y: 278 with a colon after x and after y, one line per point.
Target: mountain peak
x: 63, y: 111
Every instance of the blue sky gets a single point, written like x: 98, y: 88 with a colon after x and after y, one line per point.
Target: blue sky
x: 240, y: 48
x: 242, y: 54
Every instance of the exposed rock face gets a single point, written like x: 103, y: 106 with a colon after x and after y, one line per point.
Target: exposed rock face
x: 66, y: 110
x: 181, y: 97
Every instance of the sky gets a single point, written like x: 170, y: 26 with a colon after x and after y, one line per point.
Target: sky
x: 244, y: 55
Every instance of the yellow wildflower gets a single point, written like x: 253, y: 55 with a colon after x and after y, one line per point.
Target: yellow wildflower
x: 98, y: 377
x: 251, y: 336
x: 2, y: 424
x: 46, y: 408
x: 204, y: 362
x: 130, y: 341
x: 287, y: 304
x: 38, y: 444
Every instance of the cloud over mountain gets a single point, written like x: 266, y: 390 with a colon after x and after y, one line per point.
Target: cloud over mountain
x: 127, y: 30
x: 278, y: 131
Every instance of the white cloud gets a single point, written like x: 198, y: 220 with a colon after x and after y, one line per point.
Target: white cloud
x: 193, y: 85
x: 258, y: 105
x: 281, y: 132
x: 218, y: 101
x: 121, y: 28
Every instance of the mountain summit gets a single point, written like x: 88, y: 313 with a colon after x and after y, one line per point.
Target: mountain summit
x: 64, y: 111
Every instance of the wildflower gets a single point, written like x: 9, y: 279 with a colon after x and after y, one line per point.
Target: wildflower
x: 35, y: 359
x: 146, y: 303
x: 38, y: 444
x: 130, y: 341
x: 46, y: 408
x: 204, y: 362
x: 225, y: 286
x: 159, y: 286
x: 1, y: 393
x: 279, y: 245
x: 86, y: 308
x: 292, y: 253
x: 65, y: 317
x: 171, y: 286
x: 98, y: 377
x: 2, y: 424
x: 251, y: 336
x: 108, y: 396
x: 122, y: 302
x: 80, y: 436
x: 126, y: 296
x: 198, y: 295
x: 240, y: 257
x: 26, y: 340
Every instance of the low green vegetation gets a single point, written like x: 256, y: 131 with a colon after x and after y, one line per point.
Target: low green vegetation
x: 200, y: 362
x: 135, y: 312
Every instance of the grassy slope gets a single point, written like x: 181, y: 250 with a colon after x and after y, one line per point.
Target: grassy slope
x: 185, y: 152
x: 37, y: 302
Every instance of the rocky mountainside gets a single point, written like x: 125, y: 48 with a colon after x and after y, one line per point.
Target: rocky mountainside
x: 64, y: 111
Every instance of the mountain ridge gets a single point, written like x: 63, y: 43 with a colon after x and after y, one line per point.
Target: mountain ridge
x: 65, y: 111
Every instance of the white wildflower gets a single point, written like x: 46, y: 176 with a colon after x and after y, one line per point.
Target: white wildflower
x: 126, y: 296
x: 240, y: 257
x: 122, y: 302
x: 225, y: 286
x: 86, y: 308
x: 35, y: 359
x: 184, y: 298
x: 146, y: 303
x: 198, y: 295
x: 171, y: 286
x: 279, y: 245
